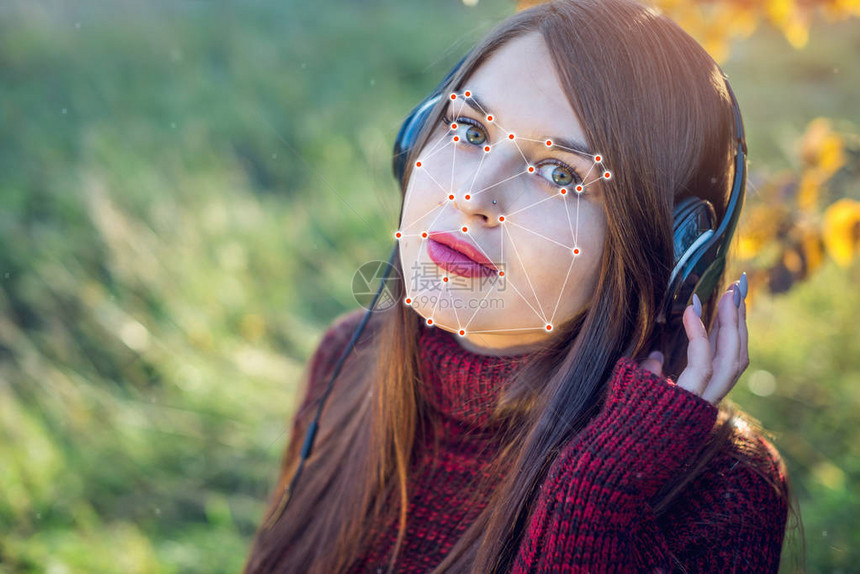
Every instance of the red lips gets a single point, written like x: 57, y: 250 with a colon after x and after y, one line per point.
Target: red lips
x: 467, y: 249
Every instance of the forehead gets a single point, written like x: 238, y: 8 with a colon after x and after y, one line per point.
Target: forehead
x: 518, y: 84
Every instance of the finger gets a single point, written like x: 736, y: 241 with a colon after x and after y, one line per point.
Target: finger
x: 726, y: 361
x: 712, y: 337
x: 743, y: 333
x: 654, y: 363
x: 695, y: 376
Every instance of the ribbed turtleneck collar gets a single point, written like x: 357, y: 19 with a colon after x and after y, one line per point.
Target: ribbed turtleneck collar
x: 461, y: 385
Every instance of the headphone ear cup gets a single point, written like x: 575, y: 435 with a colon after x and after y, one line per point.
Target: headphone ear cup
x: 694, y: 223
x: 692, y: 217
x: 411, y: 126
x: 409, y: 131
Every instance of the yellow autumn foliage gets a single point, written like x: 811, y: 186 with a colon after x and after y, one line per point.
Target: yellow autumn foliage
x: 804, y: 250
x: 821, y: 148
x: 759, y: 228
x: 822, y: 153
x: 715, y: 24
x: 841, y: 230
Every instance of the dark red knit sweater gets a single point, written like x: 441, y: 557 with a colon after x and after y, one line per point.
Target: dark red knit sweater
x: 593, y: 512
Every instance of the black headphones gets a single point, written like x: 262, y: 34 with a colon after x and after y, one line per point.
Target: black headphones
x: 700, y: 246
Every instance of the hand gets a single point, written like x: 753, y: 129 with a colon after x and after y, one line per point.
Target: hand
x: 715, y: 361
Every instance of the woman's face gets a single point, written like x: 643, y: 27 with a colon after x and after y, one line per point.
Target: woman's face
x: 540, y: 243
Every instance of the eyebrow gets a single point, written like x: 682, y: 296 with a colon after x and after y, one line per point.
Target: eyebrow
x: 570, y: 145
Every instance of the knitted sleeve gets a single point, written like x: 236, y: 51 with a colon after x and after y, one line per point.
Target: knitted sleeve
x: 735, y: 520
x: 593, y: 515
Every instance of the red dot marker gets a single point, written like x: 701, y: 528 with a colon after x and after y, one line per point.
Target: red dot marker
x: 576, y: 251
x: 397, y: 235
x: 465, y: 229
x: 408, y: 300
x: 549, y: 327
x: 597, y: 158
x: 489, y: 118
x: 424, y: 234
x: 606, y: 174
x: 462, y: 332
x: 444, y: 279
x: 486, y: 148
x: 501, y: 273
x: 510, y: 137
x: 417, y: 164
x: 453, y: 126
x: 456, y: 138
x: 548, y: 143
x: 453, y: 96
x: 531, y: 169
x: 468, y: 196
x: 450, y: 197
x: 578, y: 188
x: 563, y: 191
x: 429, y: 321
x: 468, y: 94
x: 501, y: 218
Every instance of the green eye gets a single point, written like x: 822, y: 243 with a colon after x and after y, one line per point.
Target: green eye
x: 558, y: 174
x: 561, y: 176
x: 475, y: 136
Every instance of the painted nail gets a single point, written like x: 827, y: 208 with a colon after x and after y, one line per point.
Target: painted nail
x: 697, y: 306
x: 737, y: 294
x: 744, y: 285
x: 656, y: 355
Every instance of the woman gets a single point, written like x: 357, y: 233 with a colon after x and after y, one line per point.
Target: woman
x: 500, y: 419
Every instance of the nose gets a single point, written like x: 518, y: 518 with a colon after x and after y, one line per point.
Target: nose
x: 498, y: 178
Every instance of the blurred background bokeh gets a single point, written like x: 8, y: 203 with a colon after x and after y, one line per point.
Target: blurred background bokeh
x: 187, y: 187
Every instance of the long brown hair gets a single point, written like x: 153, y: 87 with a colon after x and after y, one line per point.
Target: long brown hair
x: 654, y: 102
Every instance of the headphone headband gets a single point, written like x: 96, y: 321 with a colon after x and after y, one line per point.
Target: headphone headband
x: 700, y: 259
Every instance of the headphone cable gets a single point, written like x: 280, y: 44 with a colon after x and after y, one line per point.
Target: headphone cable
x: 312, y: 429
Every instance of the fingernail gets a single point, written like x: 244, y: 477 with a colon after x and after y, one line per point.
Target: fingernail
x: 737, y: 295
x: 697, y: 306
x: 744, y: 285
x: 656, y: 355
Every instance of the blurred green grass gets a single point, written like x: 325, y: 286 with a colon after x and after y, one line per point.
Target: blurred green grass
x: 187, y: 189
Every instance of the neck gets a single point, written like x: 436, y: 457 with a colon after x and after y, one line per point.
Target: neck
x: 459, y: 384
x: 498, y: 345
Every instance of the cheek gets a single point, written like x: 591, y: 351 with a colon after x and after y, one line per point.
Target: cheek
x: 592, y: 233
x: 593, y: 257
x: 556, y: 229
x: 591, y: 240
x: 565, y: 239
x: 424, y: 191
x: 419, y: 200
